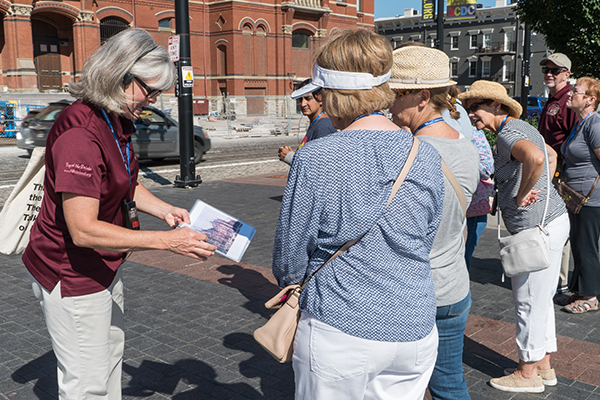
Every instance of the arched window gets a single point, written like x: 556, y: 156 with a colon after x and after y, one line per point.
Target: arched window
x: 300, y: 40
x: 222, y: 60
x: 110, y: 26
x: 165, y: 24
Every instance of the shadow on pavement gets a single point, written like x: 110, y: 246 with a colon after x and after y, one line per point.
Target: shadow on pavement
x: 279, y: 378
x: 42, y: 370
x: 157, y: 377
x: 484, y: 359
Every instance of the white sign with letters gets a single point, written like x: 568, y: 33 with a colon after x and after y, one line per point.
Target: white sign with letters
x: 174, y: 48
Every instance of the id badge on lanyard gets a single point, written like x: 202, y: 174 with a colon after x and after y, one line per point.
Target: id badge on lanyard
x: 130, y: 214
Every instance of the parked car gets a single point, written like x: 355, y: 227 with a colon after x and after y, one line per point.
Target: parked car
x: 535, y: 105
x: 156, y: 136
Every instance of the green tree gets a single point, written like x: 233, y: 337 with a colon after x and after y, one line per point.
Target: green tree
x: 570, y: 26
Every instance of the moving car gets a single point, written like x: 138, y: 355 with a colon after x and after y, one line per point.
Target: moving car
x: 535, y: 105
x: 156, y: 136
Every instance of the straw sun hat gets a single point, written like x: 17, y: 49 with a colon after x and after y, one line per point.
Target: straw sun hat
x: 487, y: 90
x: 417, y: 67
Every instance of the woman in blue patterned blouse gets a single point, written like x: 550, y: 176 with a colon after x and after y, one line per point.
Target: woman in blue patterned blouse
x: 367, y: 329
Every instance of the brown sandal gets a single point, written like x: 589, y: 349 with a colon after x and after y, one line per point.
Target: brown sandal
x: 582, y: 306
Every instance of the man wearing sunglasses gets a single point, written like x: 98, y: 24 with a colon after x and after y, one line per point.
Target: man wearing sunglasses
x: 320, y: 125
x: 556, y: 123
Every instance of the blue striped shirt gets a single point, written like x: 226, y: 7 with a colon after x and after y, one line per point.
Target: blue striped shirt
x: 381, y: 288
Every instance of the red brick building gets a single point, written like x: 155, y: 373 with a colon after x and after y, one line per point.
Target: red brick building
x: 239, y: 47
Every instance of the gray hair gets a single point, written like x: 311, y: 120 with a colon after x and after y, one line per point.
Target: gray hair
x: 101, y: 82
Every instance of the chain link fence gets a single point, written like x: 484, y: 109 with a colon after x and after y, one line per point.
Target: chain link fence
x: 253, y: 115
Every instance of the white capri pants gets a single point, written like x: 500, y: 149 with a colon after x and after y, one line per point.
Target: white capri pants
x: 330, y: 364
x: 87, y: 339
x: 532, y: 295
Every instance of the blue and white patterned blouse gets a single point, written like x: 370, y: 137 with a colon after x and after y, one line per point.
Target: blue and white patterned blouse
x: 381, y: 288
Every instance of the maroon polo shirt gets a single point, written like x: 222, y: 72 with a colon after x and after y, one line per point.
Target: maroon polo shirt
x: 82, y: 157
x: 557, y: 121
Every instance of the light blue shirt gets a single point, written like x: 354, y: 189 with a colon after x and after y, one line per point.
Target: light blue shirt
x: 381, y: 288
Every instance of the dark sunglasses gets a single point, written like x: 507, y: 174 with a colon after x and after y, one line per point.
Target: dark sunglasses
x: 553, y: 71
x: 405, y: 92
x: 475, y: 106
x: 149, y: 91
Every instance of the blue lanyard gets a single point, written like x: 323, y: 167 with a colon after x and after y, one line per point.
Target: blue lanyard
x: 316, y: 119
x: 502, y: 123
x: 426, y: 124
x: 572, y: 135
x: 125, y: 160
x: 373, y: 113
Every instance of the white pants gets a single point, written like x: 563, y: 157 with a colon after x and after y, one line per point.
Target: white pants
x: 532, y: 295
x: 87, y: 339
x: 330, y: 364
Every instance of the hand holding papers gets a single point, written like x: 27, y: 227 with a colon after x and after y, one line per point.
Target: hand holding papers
x: 231, y: 236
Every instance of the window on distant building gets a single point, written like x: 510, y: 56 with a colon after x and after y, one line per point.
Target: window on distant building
x: 110, y: 26
x: 487, y: 40
x: 300, y: 40
x: 454, y: 68
x: 508, y: 71
x: 473, y: 41
x: 472, y: 68
x: 165, y: 23
x: 454, y: 43
x: 222, y: 60
x: 508, y: 39
x: 485, y: 68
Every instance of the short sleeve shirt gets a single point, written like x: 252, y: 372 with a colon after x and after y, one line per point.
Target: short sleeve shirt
x: 508, y: 176
x: 321, y: 128
x: 557, y: 121
x: 82, y: 157
x: 581, y: 164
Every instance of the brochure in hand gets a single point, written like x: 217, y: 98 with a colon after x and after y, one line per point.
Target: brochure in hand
x: 230, y: 235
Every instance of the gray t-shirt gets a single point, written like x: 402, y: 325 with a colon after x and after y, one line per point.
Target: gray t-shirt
x: 581, y: 164
x: 450, y: 275
x: 508, y: 176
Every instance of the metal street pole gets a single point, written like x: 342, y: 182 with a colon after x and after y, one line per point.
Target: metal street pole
x: 526, y: 70
x: 183, y: 90
x: 440, y: 23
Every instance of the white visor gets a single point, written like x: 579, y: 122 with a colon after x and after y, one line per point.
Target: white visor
x: 330, y: 79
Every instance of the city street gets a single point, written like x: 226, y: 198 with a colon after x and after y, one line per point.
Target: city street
x: 229, y: 157
x: 189, y: 323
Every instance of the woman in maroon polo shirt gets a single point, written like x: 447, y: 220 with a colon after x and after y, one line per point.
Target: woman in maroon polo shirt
x: 80, y: 237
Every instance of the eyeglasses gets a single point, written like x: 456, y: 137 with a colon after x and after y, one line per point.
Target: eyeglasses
x: 149, y: 91
x: 574, y: 92
x: 405, y: 92
x: 553, y: 71
x: 475, y: 106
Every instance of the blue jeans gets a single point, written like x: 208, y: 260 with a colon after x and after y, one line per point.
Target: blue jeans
x: 475, y: 227
x: 447, y: 381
